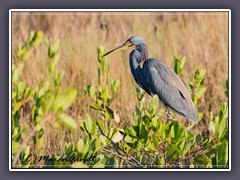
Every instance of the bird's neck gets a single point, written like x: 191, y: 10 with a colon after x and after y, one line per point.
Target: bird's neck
x: 137, y: 56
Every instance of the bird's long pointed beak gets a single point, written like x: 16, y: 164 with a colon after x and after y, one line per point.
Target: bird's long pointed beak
x: 119, y: 48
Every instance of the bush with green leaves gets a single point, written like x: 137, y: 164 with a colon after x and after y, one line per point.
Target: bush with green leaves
x: 50, y: 100
x: 149, y: 141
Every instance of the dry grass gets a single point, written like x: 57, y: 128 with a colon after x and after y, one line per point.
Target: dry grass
x: 201, y: 37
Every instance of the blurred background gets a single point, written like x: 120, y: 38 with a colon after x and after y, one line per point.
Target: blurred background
x: 202, y: 37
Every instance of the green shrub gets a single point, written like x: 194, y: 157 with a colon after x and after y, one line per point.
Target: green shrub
x: 150, y: 141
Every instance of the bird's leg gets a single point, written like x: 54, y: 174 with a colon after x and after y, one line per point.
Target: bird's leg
x: 161, y: 116
x: 189, y: 128
x: 168, y: 114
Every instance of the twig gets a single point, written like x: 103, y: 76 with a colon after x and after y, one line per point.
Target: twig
x: 164, y: 153
x: 102, y: 133
x: 120, y: 156
x: 131, y: 157
x: 149, y: 155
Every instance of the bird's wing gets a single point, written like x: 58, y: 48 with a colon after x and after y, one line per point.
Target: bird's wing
x: 166, y: 84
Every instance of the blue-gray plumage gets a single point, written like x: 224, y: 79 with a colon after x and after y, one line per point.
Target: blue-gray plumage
x: 155, y: 77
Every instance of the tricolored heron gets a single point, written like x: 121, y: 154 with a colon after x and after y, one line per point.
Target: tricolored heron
x: 155, y: 77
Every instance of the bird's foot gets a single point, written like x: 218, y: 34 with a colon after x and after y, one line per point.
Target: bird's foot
x: 189, y: 128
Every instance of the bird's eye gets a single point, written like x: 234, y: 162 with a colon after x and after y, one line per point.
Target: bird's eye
x: 130, y: 43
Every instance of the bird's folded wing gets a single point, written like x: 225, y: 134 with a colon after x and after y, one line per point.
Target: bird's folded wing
x: 161, y: 80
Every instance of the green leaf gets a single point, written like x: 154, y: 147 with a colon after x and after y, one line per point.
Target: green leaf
x: 177, y: 65
x: 16, y: 132
x: 99, y: 165
x: 36, y: 93
x: 31, y: 38
x: 51, y: 67
x: 56, y: 58
x: 21, y: 87
x: 198, y: 139
x: 130, y: 131
x: 15, y: 147
x: 154, y: 102
x: 64, y: 100
x: 200, y: 92
x: 91, y: 91
x: 17, y: 106
x: 96, y: 145
x: 172, y: 132
x: 41, y: 92
x: 54, y: 63
x: 58, y: 77
x: 222, y: 155
x: 191, y: 86
x: 182, y: 144
x: 197, y: 72
x: 202, y: 159
x: 200, y: 115
x: 38, y: 39
x: 21, y: 51
x: 105, y: 93
x: 129, y: 139
x: 224, y: 111
x: 95, y: 106
x: 99, y: 77
x: 176, y: 148
x: 27, y: 55
x: 67, y: 121
x: 140, y: 93
x: 211, y: 115
x: 101, y: 51
x: 100, y: 126
x: 113, y: 162
x: 101, y: 162
x: 53, y: 48
x: 50, y: 101
x: 112, y: 113
x: 38, y: 119
x: 182, y: 63
x: 202, y: 73
x: 28, y: 93
x: 104, y: 65
x: 115, y: 86
x: 216, y: 122
x: 15, y: 75
x: 82, y: 148
x: 88, y: 123
x: 222, y: 128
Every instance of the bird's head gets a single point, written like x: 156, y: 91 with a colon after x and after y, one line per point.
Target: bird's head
x: 134, y: 41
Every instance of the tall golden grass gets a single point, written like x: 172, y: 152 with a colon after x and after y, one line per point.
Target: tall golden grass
x: 201, y: 37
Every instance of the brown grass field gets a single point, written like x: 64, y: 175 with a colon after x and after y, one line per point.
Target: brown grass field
x: 201, y: 37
